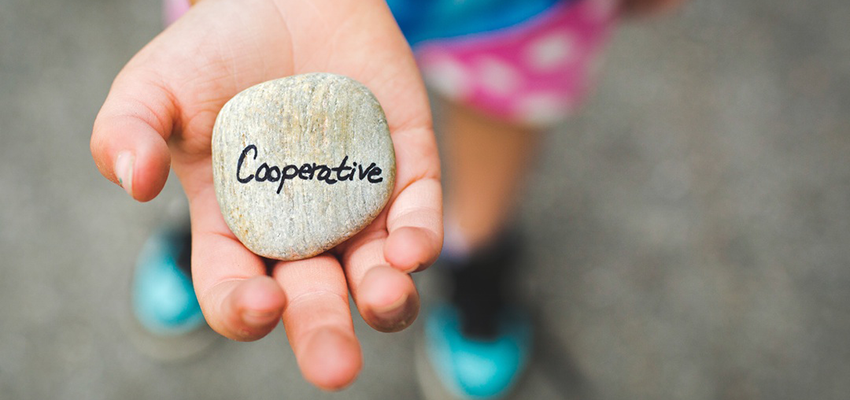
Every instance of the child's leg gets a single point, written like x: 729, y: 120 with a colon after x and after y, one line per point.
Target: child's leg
x: 487, y: 161
x: 500, y: 83
x: 477, y: 343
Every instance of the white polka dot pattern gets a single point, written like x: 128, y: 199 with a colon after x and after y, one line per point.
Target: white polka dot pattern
x: 498, y: 76
x: 541, y: 109
x: 550, y: 52
x: 449, y: 77
x: 534, y: 73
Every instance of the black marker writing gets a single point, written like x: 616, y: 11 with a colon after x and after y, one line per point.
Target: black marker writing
x: 306, y: 171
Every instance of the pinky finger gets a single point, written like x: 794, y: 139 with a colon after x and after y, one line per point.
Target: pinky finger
x: 415, y: 226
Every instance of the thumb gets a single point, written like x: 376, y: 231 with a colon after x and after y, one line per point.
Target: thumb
x: 129, y: 137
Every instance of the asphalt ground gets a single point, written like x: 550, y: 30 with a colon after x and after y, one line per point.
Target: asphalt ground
x: 687, y: 231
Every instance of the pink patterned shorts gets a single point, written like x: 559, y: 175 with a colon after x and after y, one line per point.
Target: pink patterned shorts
x: 535, y: 73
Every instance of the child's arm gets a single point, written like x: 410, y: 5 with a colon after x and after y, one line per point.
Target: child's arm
x: 160, y: 112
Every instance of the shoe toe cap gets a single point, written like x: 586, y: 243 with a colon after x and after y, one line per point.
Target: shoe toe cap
x: 163, y: 296
x: 477, y: 369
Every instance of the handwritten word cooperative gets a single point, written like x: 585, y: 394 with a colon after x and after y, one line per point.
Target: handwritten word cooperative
x: 306, y: 171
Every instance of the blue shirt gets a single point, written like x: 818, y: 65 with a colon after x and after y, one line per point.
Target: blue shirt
x: 422, y: 20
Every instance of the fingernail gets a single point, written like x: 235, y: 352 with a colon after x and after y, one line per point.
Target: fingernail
x: 259, y: 318
x: 393, y: 314
x: 415, y: 268
x: 124, y: 171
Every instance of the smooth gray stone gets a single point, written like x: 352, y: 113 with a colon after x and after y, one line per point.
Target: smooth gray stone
x: 268, y: 138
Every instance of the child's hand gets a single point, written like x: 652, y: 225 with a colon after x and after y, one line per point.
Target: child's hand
x: 161, y: 110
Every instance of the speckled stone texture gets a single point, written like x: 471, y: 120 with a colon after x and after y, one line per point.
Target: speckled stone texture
x: 301, y: 164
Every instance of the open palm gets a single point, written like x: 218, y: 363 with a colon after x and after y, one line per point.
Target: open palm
x: 160, y: 112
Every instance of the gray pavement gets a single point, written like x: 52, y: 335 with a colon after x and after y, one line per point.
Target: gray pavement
x: 688, y: 230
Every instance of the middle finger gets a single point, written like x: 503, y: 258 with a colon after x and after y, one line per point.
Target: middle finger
x: 318, y: 322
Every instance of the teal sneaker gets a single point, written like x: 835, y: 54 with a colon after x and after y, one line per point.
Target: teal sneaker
x: 164, y: 299
x: 478, y: 346
x: 475, y: 368
x: 168, y: 324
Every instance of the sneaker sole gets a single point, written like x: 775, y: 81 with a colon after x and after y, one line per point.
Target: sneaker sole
x: 163, y: 348
x: 430, y: 385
